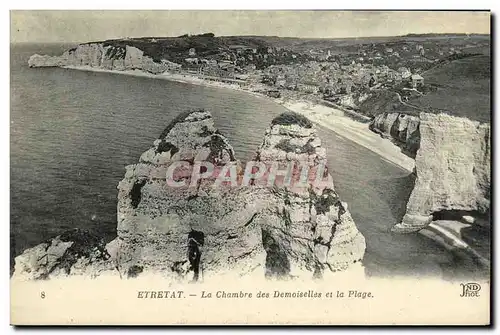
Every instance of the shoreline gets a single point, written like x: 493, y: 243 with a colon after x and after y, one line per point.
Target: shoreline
x: 334, y: 120
x: 327, y: 117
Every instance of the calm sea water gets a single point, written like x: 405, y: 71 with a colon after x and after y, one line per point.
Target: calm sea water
x: 73, y: 132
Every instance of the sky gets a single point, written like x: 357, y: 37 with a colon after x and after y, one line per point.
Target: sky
x: 85, y: 26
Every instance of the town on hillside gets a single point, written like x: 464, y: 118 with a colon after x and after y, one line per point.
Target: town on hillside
x: 341, y: 72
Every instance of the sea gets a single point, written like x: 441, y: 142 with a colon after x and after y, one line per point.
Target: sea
x: 73, y: 132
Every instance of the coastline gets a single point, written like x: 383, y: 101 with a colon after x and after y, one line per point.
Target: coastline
x: 335, y: 120
x: 355, y: 131
x: 327, y: 117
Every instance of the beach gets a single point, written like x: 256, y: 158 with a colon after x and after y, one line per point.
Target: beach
x: 337, y: 121
x: 327, y: 117
x: 355, y: 131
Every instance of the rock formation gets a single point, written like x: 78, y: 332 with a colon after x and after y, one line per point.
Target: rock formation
x: 73, y: 252
x: 308, y: 226
x: 99, y: 55
x: 402, y: 128
x: 159, y: 226
x: 453, y: 171
x: 204, y: 227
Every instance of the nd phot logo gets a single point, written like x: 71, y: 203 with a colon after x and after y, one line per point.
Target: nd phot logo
x: 470, y: 290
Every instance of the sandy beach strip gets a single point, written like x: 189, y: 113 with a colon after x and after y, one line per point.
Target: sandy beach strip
x: 447, y: 234
x: 336, y: 121
x: 176, y: 77
x: 355, y: 131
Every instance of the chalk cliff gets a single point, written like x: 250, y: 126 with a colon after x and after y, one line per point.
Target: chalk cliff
x: 306, y: 226
x: 402, y: 128
x: 160, y: 226
x: 99, y: 55
x: 205, y: 228
x: 453, y: 171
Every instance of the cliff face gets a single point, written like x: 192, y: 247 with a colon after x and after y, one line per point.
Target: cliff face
x: 306, y: 226
x: 103, y: 56
x: 186, y: 231
x: 402, y: 128
x: 453, y: 171
x: 205, y: 228
x: 276, y: 231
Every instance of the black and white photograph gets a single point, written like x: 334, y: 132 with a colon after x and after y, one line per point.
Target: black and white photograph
x: 226, y: 167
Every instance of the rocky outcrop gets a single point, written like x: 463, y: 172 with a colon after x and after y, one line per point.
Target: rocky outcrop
x: 209, y: 217
x: 306, y: 226
x: 273, y: 230
x: 99, y: 55
x: 453, y: 172
x: 401, y: 128
x: 348, y: 100
x: 193, y: 230
x: 76, y: 252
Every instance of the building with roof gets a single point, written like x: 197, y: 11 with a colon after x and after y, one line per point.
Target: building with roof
x: 416, y: 80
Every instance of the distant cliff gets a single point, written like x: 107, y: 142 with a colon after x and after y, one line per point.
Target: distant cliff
x: 452, y: 164
x: 100, y: 55
x: 401, y: 128
x: 453, y: 167
x: 199, y: 231
x: 157, y: 54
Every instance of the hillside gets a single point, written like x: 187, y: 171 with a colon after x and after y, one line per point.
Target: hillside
x: 370, y: 73
x: 463, y: 88
x: 460, y: 87
x: 209, y: 47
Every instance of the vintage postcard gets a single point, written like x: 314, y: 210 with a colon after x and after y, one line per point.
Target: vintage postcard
x: 250, y: 167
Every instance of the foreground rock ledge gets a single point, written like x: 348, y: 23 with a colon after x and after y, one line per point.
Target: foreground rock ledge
x: 193, y: 233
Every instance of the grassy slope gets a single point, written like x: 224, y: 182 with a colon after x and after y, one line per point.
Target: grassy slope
x: 347, y: 45
x: 177, y: 48
x: 170, y: 47
x: 463, y: 88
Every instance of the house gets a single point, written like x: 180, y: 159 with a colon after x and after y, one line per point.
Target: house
x: 274, y: 93
x: 192, y: 52
x: 224, y: 63
x: 404, y: 72
x: 191, y: 60
x: 250, y: 67
x: 416, y: 80
x: 242, y: 76
x: 307, y: 88
x: 280, y: 82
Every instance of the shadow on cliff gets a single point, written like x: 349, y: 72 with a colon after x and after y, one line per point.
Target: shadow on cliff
x: 395, y: 192
x: 389, y: 254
